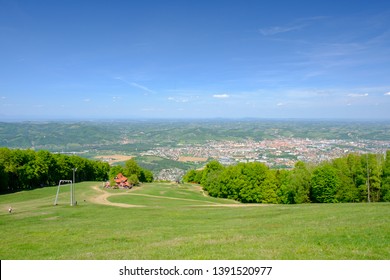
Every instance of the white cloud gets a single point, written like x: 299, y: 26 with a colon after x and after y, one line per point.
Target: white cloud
x: 141, y: 87
x: 387, y: 93
x: 133, y: 84
x: 116, y: 98
x: 87, y: 100
x: 221, y: 96
x: 358, y: 94
x: 294, y: 25
x: 148, y: 109
x: 279, y: 29
x: 184, y: 98
x: 178, y: 99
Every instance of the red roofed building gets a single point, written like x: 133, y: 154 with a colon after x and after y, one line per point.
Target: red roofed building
x: 121, y: 181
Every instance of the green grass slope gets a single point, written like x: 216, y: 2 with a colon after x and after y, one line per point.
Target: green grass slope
x: 169, y: 221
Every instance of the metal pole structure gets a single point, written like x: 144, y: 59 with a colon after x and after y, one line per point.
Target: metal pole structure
x: 58, y: 190
x: 368, y: 180
x: 73, y: 187
x: 71, y: 193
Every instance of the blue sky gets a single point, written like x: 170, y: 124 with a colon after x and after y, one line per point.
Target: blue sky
x: 194, y: 59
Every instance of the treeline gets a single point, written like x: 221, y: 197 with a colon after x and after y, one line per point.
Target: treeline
x: 353, y: 178
x: 27, y: 169
x: 134, y: 173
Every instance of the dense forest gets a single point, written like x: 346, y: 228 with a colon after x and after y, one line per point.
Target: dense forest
x: 27, y: 169
x: 353, y: 178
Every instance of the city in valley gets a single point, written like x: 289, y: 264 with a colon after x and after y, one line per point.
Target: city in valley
x: 280, y: 153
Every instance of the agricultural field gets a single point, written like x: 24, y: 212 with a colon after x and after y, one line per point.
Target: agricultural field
x: 112, y: 159
x: 192, y: 159
x: 166, y: 221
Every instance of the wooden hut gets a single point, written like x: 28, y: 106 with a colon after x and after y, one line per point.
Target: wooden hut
x: 121, y: 181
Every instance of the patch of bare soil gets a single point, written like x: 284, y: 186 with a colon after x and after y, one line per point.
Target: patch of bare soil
x: 192, y: 159
x: 234, y: 205
x: 102, y: 198
x: 114, y: 158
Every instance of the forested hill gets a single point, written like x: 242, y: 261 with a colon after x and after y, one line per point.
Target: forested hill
x: 54, y: 135
x: 352, y: 178
x: 77, y: 136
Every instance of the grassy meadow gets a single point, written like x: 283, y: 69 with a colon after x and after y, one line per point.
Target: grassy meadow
x: 168, y: 221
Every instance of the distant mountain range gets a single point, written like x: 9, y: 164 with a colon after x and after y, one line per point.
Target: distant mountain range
x: 141, y: 135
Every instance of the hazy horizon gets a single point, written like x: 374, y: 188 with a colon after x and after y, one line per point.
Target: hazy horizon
x: 171, y: 119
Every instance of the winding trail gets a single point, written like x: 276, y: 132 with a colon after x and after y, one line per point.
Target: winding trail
x: 102, y: 198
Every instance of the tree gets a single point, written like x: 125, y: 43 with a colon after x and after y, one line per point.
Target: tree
x: 370, y: 188
x: 231, y: 184
x: 375, y: 174
x: 4, y: 155
x: 115, y: 170
x: 358, y: 175
x: 146, y: 176
x: 21, y: 169
x: 131, y: 168
x: 212, y: 184
x: 212, y: 167
x: 133, y: 180
x: 269, y: 188
x: 198, y: 176
x: 189, y: 177
x: 101, y: 170
x: 64, y: 168
x: 286, y: 192
x: 254, y: 189
x: 255, y: 172
x: 347, y: 191
x: 46, y: 165
x: 324, y: 184
x: 299, y: 180
x: 385, y: 187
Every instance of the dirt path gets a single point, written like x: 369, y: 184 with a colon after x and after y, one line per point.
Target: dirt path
x: 172, y: 198
x: 200, y: 189
x: 101, y: 198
